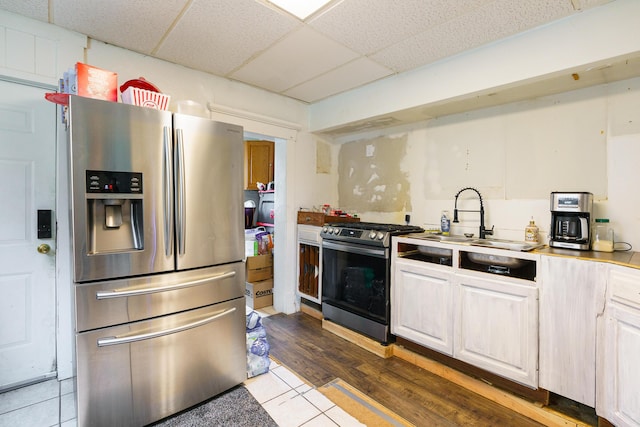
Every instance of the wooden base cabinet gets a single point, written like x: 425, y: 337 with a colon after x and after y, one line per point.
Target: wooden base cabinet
x: 310, y: 263
x: 619, y: 356
x: 497, y: 327
x: 422, y: 310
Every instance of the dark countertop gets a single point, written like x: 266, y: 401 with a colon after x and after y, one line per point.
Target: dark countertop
x: 624, y: 258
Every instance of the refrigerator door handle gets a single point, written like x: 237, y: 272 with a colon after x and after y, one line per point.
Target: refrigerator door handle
x: 180, y: 214
x: 132, y: 292
x: 103, y: 342
x: 168, y: 193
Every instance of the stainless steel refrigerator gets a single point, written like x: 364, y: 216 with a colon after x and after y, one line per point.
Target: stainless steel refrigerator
x: 158, y: 243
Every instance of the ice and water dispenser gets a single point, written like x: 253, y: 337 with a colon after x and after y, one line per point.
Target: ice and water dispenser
x: 114, y: 211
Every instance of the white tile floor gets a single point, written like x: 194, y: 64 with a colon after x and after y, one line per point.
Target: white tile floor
x: 288, y: 400
x: 45, y: 404
x: 292, y: 403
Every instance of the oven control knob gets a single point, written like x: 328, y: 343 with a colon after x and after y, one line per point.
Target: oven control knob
x: 325, y: 229
x: 336, y: 231
x: 380, y: 235
x: 372, y: 235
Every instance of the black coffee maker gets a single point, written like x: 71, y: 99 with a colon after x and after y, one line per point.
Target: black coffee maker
x: 571, y: 220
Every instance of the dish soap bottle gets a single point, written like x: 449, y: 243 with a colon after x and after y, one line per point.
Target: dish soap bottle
x: 445, y: 223
x: 531, y: 232
x: 603, y: 236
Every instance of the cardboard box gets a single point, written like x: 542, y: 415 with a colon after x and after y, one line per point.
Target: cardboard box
x: 259, y: 268
x: 94, y: 82
x: 259, y: 294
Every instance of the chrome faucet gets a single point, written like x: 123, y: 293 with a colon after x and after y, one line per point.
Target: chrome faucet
x: 483, y: 231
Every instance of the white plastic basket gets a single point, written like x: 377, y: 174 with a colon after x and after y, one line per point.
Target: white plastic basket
x: 145, y: 98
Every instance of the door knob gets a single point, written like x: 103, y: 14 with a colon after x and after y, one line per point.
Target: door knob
x: 44, y: 248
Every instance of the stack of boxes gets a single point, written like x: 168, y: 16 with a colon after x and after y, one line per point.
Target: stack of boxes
x: 259, y: 283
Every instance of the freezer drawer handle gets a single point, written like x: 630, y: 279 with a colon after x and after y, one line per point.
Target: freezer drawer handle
x: 132, y: 292
x: 103, y: 342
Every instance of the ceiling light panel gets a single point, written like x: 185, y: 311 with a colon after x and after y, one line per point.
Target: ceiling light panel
x: 298, y: 8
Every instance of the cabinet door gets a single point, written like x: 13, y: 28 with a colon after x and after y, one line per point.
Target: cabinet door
x: 309, y: 271
x: 422, y: 305
x: 618, y: 379
x: 258, y: 157
x: 309, y: 262
x: 496, y: 327
x: 571, y: 296
x: 621, y: 373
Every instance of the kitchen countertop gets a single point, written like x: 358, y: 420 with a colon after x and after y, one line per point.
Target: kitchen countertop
x: 624, y: 258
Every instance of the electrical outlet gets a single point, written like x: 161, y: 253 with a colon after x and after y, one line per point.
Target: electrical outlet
x: 370, y: 150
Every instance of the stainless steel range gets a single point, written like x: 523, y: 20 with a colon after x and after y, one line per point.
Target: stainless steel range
x: 356, y: 266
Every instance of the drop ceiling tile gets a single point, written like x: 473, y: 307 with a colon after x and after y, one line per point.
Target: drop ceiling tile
x: 351, y: 75
x: 219, y: 36
x: 36, y: 9
x: 367, y: 26
x: 254, y: 42
x: 137, y: 25
x: 301, y: 56
x: 494, y: 21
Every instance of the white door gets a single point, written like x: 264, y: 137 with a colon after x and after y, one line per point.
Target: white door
x: 27, y: 277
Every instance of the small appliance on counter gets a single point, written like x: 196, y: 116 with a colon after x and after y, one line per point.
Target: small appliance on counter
x: 571, y: 220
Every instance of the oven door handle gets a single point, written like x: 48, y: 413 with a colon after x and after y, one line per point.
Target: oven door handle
x: 362, y: 250
x: 103, y: 342
x: 132, y: 292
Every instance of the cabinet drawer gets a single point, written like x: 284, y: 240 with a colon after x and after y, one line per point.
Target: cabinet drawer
x: 309, y: 234
x: 140, y: 380
x: 319, y: 218
x: 311, y: 218
x: 625, y: 287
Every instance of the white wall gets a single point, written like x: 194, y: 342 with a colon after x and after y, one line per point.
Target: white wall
x: 516, y: 154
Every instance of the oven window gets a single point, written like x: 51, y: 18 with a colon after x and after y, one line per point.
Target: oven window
x: 356, y: 282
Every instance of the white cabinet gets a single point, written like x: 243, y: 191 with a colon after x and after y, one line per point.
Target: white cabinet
x: 618, y: 371
x: 474, y: 312
x: 572, y: 294
x: 422, y: 304
x: 496, y: 326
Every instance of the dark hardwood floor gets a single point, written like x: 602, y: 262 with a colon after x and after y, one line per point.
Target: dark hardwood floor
x: 422, y: 398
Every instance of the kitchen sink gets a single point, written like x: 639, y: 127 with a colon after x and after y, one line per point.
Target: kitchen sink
x: 512, y: 245
x: 495, y: 260
x: 442, y: 238
x: 435, y: 252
